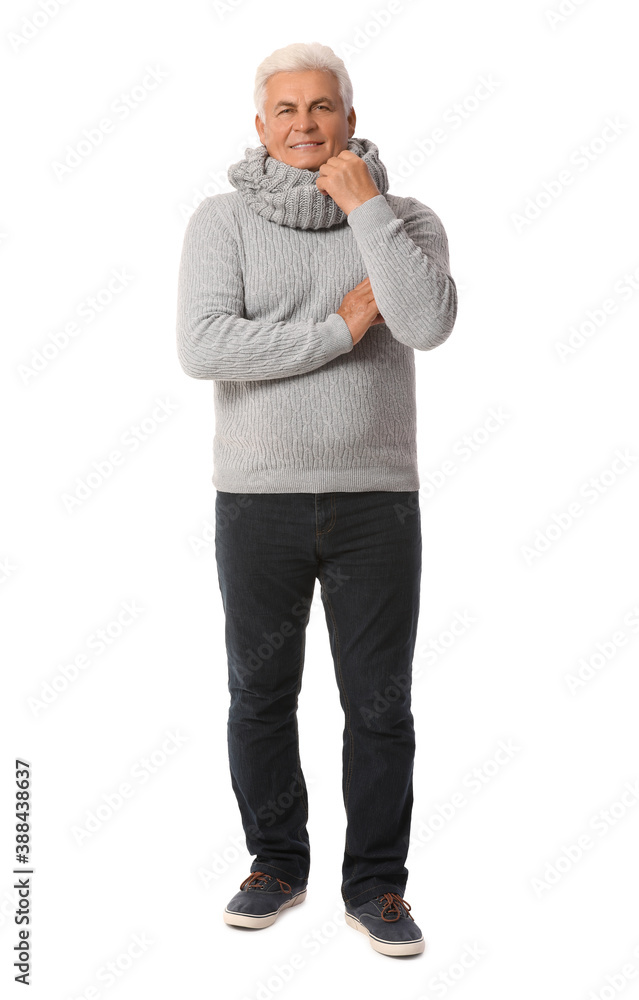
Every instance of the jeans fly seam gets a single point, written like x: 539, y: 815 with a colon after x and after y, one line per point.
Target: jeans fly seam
x: 331, y: 525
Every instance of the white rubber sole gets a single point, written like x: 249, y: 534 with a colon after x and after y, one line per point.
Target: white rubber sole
x: 249, y: 920
x: 386, y: 948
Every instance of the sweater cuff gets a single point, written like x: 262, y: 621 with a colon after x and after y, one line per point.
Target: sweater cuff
x: 368, y: 217
x: 337, y: 336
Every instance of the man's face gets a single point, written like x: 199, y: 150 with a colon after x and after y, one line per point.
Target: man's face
x: 303, y: 108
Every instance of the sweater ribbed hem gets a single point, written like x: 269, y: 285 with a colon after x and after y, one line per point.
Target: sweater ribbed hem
x: 355, y: 480
x: 367, y: 218
x: 337, y: 336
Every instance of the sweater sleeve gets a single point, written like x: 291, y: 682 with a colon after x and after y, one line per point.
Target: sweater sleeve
x: 407, y: 263
x: 214, y: 340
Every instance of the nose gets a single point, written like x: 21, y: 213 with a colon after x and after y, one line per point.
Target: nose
x: 303, y: 121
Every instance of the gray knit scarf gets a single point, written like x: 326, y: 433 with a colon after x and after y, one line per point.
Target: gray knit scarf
x: 289, y: 195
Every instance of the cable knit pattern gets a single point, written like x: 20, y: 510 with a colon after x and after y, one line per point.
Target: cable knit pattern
x: 298, y: 407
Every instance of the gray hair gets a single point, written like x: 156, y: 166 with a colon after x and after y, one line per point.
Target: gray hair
x: 295, y: 58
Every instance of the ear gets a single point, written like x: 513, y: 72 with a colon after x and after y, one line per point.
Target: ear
x: 259, y: 125
x: 351, y: 119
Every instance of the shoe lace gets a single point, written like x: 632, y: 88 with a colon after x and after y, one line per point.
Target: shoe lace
x: 393, y: 903
x: 259, y: 880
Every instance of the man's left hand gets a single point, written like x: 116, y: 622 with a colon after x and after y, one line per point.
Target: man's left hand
x: 347, y: 180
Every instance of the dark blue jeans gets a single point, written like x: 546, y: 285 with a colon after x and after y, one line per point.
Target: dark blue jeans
x: 366, y: 550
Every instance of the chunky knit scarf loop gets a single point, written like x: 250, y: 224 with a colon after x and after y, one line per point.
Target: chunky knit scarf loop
x: 288, y: 195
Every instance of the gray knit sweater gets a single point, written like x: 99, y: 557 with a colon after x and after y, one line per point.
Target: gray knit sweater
x: 298, y: 407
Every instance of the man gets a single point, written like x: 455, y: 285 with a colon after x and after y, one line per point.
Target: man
x: 303, y: 294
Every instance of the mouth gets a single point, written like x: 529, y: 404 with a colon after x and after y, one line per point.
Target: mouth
x: 307, y: 145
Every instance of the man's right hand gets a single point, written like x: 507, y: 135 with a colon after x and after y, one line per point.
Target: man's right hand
x: 359, y: 310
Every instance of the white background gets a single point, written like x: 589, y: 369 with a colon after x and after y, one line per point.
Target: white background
x: 547, y: 594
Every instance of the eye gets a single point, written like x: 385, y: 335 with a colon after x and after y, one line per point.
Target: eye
x: 325, y: 106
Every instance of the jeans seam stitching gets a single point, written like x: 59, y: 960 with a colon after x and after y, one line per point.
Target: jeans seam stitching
x: 348, y: 707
